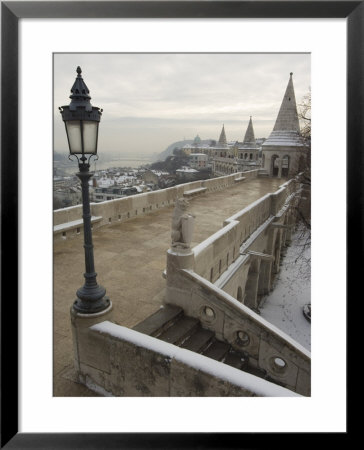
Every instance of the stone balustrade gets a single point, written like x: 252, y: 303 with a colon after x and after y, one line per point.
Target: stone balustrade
x: 116, y: 361
x: 269, y: 349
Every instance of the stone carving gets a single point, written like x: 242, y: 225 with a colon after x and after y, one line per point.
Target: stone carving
x: 182, y: 226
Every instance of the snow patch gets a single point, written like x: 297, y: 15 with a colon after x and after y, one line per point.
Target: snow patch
x: 283, y: 307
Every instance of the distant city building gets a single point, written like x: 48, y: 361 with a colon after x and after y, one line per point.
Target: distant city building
x: 186, y: 174
x: 198, y: 160
x: 103, y: 194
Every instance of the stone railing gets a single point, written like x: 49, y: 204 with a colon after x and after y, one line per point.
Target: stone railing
x: 122, y: 209
x: 116, y: 361
x: 269, y: 349
x: 215, y: 254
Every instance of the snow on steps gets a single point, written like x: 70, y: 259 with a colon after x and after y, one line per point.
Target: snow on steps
x: 169, y: 324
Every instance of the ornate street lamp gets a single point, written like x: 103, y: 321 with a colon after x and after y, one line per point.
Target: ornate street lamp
x: 82, y: 120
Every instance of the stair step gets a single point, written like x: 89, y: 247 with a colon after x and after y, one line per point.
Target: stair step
x: 217, y: 350
x: 198, y: 341
x: 159, y: 321
x: 237, y: 360
x: 255, y: 371
x: 179, y: 331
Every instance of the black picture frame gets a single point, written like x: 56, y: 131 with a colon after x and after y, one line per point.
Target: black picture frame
x: 11, y: 12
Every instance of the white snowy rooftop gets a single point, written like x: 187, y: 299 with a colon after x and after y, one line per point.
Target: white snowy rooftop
x: 286, y: 131
x: 186, y: 169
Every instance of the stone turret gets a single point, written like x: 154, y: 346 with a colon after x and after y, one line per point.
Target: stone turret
x: 222, y: 138
x: 249, y: 138
x: 287, y: 119
x: 285, y: 152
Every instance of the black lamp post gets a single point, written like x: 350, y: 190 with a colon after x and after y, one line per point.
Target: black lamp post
x: 82, y: 120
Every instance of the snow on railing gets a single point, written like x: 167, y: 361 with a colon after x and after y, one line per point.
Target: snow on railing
x: 257, y: 386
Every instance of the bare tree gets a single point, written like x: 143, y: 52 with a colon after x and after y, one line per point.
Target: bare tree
x: 303, y: 203
x: 304, y: 115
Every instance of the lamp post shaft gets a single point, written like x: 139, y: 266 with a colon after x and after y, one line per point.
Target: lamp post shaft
x: 91, y: 296
x: 84, y: 176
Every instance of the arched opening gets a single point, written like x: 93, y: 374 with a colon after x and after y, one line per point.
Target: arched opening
x: 274, y: 165
x: 285, y: 165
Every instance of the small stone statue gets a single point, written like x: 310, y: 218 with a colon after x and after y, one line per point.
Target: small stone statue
x: 182, y: 226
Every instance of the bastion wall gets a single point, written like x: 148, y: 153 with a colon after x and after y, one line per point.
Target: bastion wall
x: 220, y: 281
x: 68, y: 221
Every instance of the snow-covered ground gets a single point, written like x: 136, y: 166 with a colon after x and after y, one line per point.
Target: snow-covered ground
x: 283, y: 307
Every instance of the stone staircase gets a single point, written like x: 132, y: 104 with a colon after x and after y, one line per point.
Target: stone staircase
x: 169, y: 324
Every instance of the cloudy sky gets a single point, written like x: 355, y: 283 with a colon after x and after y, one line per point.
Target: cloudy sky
x: 153, y: 100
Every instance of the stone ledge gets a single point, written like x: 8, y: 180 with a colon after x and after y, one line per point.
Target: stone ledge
x: 193, y: 192
x: 73, y: 224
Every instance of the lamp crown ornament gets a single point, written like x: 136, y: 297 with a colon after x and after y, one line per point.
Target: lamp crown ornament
x: 79, y: 91
x: 81, y: 119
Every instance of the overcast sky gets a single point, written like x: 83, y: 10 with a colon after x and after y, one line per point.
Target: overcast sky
x: 152, y: 100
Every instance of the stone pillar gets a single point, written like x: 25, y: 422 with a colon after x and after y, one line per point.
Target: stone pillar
x: 177, y: 261
x: 280, y: 162
x: 264, y: 278
x: 251, y: 286
x: 277, y: 251
x: 80, y: 323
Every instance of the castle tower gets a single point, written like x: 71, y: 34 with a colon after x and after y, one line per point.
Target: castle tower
x: 249, y: 138
x: 248, y: 150
x: 285, y: 152
x: 222, y: 138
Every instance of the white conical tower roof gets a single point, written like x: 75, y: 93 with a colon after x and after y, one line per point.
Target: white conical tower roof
x: 249, y: 138
x: 287, y: 119
x: 222, y: 138
x: 286, y: 131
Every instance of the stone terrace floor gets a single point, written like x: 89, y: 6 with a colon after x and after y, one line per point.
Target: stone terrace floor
x: 129, y: 259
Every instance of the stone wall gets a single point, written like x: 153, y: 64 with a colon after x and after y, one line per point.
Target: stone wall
x: 214, y: 255
x: 268, y: 348
x: 223, y: 279
x: 128, y: 207
x: 116, y: 361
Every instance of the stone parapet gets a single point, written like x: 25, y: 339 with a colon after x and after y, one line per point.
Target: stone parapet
x: 117, y: 361
x: 121, y: 209
x: 269, y: 349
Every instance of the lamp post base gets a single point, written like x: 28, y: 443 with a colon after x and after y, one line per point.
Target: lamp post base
x: 91, y: 300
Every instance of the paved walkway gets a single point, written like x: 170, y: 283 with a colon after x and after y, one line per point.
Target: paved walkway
x: 129, y: 259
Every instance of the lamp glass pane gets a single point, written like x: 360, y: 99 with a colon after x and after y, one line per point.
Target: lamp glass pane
x: 73, y: 128
x: 90, y: 136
